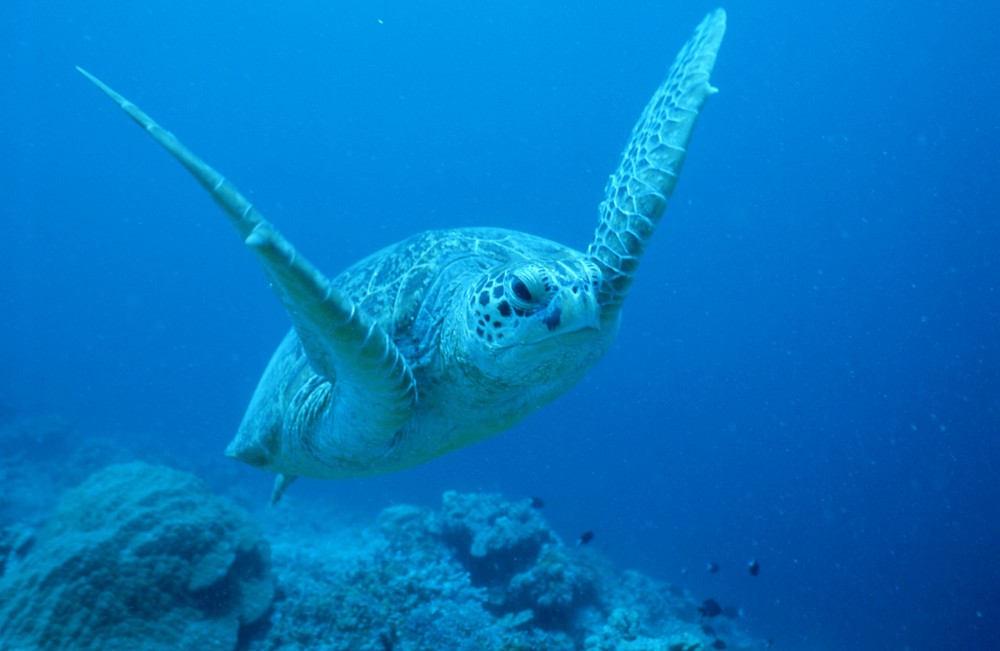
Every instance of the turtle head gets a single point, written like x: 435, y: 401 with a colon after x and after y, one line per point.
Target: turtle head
x: 539, y: 320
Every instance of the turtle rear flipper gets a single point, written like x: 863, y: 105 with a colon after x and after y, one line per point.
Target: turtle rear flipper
x: 374, y: 387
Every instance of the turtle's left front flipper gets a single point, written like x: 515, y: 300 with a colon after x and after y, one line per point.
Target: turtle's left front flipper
x: 340, y: 341
x: 638, y: 191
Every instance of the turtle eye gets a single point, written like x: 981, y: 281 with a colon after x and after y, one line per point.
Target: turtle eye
x: 521, y: 290
x: 527, y: 291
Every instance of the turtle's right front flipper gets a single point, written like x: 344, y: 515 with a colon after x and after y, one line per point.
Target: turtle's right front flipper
x: 359, y: 371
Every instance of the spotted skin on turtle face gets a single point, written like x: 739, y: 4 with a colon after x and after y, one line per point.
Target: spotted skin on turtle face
x: 502, y: 300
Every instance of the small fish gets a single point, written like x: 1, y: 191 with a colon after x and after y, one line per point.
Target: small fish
x: 707, y: 630
x: 718, y: 644
x: 537, y: 503
x: 712, y: 567
x: 754, y: 567
x: 585, y: 538
x: 710, y: 608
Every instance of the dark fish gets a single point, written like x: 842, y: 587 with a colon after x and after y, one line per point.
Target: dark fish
x: 718, y: 644
x: 537, y: 503
x: 754, y: 567
x: 710, y: 608
x: 712, y: 567
x: 585, y: 538
x: 707, y: 630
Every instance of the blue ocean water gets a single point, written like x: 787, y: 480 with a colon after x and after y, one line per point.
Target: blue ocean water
x: 808, y: 371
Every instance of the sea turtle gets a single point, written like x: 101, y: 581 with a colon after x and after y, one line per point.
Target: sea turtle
x: 450, y: 336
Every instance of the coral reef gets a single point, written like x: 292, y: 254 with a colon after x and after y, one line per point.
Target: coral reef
x: 508, y: 548
x: 492, y: 537
x: 395, y: 585
x: 138, y: 556
x: 146, y: 557
x: 483, y: 574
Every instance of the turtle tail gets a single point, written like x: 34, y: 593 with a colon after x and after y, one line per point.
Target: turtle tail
x: 638, y: 192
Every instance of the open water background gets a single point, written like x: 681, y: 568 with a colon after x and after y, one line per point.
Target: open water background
x: 808, y: 370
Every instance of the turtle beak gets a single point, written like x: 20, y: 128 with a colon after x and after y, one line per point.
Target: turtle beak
x: 580, y: 310
x: 576, y: 316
